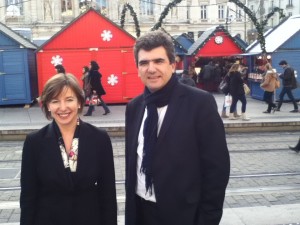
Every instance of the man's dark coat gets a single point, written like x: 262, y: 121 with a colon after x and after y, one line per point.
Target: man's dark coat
x: 190, y: 163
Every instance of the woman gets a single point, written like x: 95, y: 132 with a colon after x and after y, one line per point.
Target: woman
x: 268, y: 85
x: 95, y: 81
x: 85, y: 81
x: 67, y: 173
x: 236, y: 90
x: 60, y: 69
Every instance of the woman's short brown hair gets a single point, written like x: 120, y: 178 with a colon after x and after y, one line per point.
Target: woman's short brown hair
x: 53, y: 88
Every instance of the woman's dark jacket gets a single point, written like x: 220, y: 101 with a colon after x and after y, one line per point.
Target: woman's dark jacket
x: 52, y: 195
x: 95, y: 81
x: 236, y: 83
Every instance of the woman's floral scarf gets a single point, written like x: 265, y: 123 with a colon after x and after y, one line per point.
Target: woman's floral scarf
x: 69, y: 160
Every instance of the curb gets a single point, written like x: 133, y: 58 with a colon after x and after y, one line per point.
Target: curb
x: 119, y: 130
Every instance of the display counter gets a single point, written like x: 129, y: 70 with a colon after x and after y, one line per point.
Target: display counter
x: 254, y: 81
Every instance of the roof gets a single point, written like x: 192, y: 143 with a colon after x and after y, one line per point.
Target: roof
x: 277, y: 36
x: 205, y: 41
x: 16, y: 37
x: 240, y: 41
x: 185, y: 40
x: 89, y: 30
x: 179, y: 49
x: 201, y: 40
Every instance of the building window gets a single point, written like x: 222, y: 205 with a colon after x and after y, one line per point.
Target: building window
x: 103, y: 6
x: 98, y: 5
x: 239, y: 14
x: 147, y: 7
x: 203, y: 11
x: 14, y: 7
x: 174, y: 12
x: 290, y: 2
x: 221, y: 11
x: 290, y: 13
x: 66, y: 7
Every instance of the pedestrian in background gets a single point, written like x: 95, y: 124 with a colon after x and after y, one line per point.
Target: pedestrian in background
x: 177, y: 161
x: 289, y: 83
x: 67, y: 172
x: 96, y: 85
x: 86, y: 86
x: 296, y: 148
x: 60, y: 69
x: 269, y: 86
x: 186, y: 79
x: 226, y: 92
x: 236, y: 90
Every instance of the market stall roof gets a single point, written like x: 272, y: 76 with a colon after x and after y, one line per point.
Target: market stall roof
x: 240, y: 41
x: 215, y: 41
x: 84, y: 32
x: 179, y: 48
x: 277, y: 36
x: 185, y: 40
x: 10, y: 34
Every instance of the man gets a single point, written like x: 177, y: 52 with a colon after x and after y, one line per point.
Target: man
x: 289, y: 82
x: 207, y: 76
x: 177, y: 161
x: 186, y: 79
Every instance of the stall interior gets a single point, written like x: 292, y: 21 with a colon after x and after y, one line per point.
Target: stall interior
x: 257, y: 66
x: 209, y: 71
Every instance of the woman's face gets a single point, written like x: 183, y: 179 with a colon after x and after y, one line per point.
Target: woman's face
x: 64, y: 108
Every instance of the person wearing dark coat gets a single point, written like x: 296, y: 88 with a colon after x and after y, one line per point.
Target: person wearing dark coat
x: 85, y: 81
x: 176, y: 170
x: 289, y: 83
x: 96, y: 85
x: 60, y: 69
x: 186, y: 79
x: 67, y: 172
x: 236, y: 90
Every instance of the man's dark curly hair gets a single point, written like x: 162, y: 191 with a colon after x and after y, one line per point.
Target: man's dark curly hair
x: 155, y: 39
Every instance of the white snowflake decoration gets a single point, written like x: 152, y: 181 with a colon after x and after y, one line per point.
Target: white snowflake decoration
x: 56, y: 60
x: 112, y: 80
x: 106, y: 35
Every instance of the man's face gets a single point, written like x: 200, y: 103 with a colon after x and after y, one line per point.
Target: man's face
x: 154, y: 68
x: 282, y: 66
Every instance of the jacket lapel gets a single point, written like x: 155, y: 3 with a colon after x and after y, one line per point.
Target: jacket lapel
x: 51, y: 143
x: 173, y: 108
x: 136, y: 117
x: 139, y: 113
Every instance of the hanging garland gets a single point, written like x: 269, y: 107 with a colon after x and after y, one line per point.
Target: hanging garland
x: 133, y: 14
x: 259, y: 26
x: 165, y: 13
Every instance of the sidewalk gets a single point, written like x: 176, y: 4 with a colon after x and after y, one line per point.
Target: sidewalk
x: 20, y: 120
x: 16, y: 119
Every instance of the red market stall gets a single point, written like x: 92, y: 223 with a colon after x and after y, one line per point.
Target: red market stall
x: 215, y: 45
x: 92, y: 36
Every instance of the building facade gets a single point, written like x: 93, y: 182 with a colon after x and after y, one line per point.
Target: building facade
x: 46, y: 17
x: 263, y: 7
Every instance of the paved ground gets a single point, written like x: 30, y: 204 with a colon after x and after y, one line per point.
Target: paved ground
x: 18, y: 118
x: 264, y: 200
